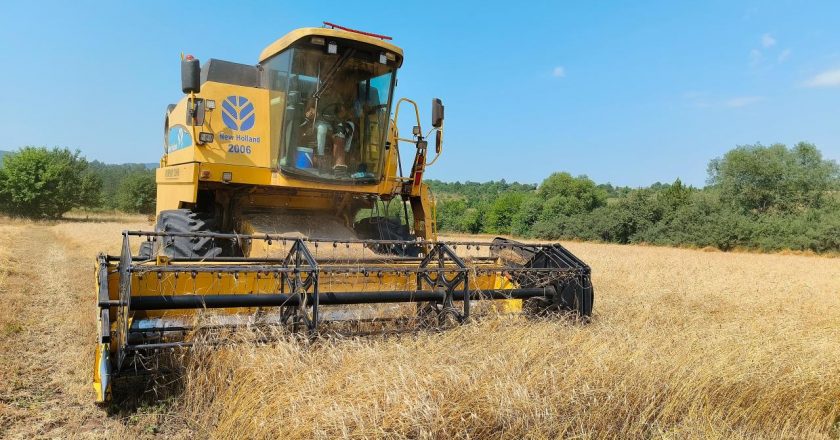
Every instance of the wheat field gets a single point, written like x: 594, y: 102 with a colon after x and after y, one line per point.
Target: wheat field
x: 683, y: 344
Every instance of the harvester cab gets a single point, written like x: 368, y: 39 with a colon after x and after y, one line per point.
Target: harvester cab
x: 282, y: 203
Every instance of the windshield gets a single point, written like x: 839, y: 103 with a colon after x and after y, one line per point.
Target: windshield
x: 333, y: 119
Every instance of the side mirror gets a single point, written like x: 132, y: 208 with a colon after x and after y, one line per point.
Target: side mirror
x: 190, y: 75
x: 438, y: 142
x: 437, y: 113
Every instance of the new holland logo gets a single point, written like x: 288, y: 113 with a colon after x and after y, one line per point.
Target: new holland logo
x: 238, y: 113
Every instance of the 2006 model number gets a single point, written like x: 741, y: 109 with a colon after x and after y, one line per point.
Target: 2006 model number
x: 241, y: 149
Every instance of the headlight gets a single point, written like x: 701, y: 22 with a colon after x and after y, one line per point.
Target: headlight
x: 205, y: 138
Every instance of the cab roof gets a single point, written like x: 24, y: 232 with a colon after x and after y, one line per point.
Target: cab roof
x: 299, y: 34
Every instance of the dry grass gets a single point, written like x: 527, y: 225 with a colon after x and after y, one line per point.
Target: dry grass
x: 48, y: 328
x: 684, y: 344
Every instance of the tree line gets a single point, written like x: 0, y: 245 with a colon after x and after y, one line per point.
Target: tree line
x: 756, y: 197
x: 37, y: 182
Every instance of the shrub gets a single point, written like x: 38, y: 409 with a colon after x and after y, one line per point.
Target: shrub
x: 524, y: 219
x: 137, y: 193
x: 767, y: 198
x: 449, y: 215
x: 567, y: 195
x: 36, y: 182
x: 501, y: 212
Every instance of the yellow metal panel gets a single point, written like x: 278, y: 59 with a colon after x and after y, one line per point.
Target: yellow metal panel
x: 185, y: 155
x: 297, y: 34
x: 176, y: 184
x: 244, y: 147
x: 100, y: 384
x: 506, y: 305
x: 213, y: 172
x: 244, y: 283
x: 421, y: 208
x: 186, y: 173
x: 252, y: 283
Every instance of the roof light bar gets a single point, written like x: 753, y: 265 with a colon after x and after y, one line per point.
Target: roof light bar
x: 356, y: 31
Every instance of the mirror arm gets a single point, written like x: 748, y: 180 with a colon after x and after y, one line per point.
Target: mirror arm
x: 416, y: 112
x: 193, y: 112
x: 438, y: 144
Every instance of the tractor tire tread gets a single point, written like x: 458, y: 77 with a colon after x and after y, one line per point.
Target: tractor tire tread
x: 186, y: 221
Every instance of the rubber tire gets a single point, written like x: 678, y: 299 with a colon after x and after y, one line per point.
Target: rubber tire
x: 383, y: 228
x: 187, y: 221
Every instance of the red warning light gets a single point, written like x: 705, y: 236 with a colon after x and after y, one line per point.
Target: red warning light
x: 189, y: 57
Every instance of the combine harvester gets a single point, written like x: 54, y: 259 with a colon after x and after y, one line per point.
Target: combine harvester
x: 281, y: 202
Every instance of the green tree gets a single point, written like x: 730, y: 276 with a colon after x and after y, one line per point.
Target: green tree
x: 137, y: 193
x: 675, y: 195
x: 626, y: 220
x: 527, y: 215
x: 767, y: 198
x: 567, y: 195
x: 36, y: 182
x: 450, y: 214
x: 473, y: 220
x: 502, y: 211
x: 759, y: 178
x: 112, y: 176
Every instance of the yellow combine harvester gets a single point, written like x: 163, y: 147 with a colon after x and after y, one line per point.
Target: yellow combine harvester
x: 282, y: 202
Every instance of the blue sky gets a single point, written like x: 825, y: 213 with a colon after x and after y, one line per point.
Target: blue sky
x: 625, y: 92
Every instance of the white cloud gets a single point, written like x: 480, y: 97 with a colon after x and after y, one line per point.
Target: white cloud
x: 743, y: 101
x: 829, y: 78
x: 767, y: 40
x: 783, y: 56
x: 558, y: 72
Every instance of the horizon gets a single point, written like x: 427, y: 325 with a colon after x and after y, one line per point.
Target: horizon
x: 629, y: 95
x: 155, y: 165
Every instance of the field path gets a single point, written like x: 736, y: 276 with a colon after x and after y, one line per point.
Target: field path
x: 46, y: 353
x: 47, y: 330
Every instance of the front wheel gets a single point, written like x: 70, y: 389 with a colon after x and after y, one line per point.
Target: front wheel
x: 185, y: 221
